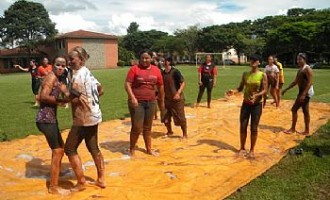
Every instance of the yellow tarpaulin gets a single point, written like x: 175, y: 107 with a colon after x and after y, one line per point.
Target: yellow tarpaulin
x: 203, y: 167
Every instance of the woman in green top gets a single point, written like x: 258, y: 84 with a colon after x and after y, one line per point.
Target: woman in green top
x: 255, y: 84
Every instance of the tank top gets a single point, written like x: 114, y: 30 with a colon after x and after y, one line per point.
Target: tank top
x: 47, y: 112
x: 253, y: 85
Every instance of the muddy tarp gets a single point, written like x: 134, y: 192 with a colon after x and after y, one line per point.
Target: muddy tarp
x: 203, y: 167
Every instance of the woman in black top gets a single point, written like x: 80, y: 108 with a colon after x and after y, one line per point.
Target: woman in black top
x: 33, y: 69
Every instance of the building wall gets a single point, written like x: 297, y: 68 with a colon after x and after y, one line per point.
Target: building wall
x: 96, y: 50
x: 111, y: 52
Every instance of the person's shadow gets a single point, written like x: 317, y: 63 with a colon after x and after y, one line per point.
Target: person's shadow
x: 274, y: 129
x: 120, y: 146
x: 35, y: 169
x: 219, y: 144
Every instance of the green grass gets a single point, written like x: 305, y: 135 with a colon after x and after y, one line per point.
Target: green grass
x: 303, y: 177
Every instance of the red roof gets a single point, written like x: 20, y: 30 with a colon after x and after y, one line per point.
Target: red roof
x: 14, y: 52
x: 85, y: 35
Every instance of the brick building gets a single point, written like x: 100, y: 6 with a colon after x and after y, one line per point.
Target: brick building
x: 102, y: 48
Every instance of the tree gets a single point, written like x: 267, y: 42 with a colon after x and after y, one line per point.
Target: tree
x: 291, y: 38
x: 27, y: 24
x: 141, y: 40
x: 190, y: 38
x: 170, y: 45
x: 133, y: 28
x: 297, y: 12
x: 322, y: 40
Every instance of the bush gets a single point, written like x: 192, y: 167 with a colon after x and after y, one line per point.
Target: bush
x: 121, y: 63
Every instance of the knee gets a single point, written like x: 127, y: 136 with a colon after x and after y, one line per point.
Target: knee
x: 69, y: 151
x: 59, y: 152
x: 306, y: 112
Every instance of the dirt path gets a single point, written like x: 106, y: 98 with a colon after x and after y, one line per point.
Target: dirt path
x: 203, y: 167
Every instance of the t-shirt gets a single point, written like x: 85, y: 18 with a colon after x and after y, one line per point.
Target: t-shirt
x: 144, y: 82
x: 253, y: 85
x: 172, y: 82
x: 271, y: 71
x: 43, y: 71
x: 280, y: 68
x: 83, y: 81
x: 33, y: 72
x: 208, y: 71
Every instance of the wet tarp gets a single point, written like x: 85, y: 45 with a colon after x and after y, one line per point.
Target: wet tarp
x: 203, y: 167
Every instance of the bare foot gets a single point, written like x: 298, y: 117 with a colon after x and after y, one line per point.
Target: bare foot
x: 153, y: 153
x: 99, y: 183
x: 208, y: 106
x: 305, y: 133
x: 242, y: 153
x: 79, y: 187
x: 290, y: 131
x: 185, y: 137
x: 58, y: 190
x: 169, y: 133
x: 251, y: 155
x: 132, y: 153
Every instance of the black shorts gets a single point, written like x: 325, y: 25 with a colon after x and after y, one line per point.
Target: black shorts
x: 52, y: 134
x: 35, y: 86
x: 304, y: 105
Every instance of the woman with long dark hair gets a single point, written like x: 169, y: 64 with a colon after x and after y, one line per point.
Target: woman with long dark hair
x: 140, y: 86
x: 46, y: 120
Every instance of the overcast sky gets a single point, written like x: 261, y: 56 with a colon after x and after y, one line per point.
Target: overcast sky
x: 114, y: 16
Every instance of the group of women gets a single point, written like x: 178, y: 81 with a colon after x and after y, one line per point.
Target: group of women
x: 145, y: 84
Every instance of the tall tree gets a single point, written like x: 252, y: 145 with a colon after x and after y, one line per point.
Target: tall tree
x: 27, y: 24
x: 190, y: 38
x: 133, y: 28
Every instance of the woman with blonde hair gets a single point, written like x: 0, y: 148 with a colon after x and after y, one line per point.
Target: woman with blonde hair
x: 86, y: 117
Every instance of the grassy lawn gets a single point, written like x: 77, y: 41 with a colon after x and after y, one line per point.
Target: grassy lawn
x: 303, y: 177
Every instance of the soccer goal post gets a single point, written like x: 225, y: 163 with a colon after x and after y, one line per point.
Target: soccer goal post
x: 220, y: 56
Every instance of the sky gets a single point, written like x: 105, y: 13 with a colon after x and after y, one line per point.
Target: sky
x: 114, y: 16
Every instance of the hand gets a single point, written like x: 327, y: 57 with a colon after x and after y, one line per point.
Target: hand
x: 230, y: 93
x: 200, y: 83
x: 277, y: 87
x: 84, y: 101
x: 177, y: 96
x: 214, y: 84
x: 38, y: 97
x: 134, y: 102
x: 162, y: 106
x: 302, y: 98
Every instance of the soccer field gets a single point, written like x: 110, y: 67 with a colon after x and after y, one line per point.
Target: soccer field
x: 17, y: 119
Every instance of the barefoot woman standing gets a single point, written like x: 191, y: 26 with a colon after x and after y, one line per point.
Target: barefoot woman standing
x: 255, y: 84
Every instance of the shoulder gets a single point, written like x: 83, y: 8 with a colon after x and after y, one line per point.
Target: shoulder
x: 50, y: 78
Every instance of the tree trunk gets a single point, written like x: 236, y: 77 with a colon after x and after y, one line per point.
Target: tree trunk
x: 239, y: 57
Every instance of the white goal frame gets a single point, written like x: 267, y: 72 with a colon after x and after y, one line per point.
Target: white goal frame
x: 203, y: 53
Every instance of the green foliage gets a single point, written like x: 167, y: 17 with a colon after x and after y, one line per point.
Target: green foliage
x: 141, y: 40
x: 26, y: 24
x: 133, y: 28
x: 121, y: 63
x: 125, y: 56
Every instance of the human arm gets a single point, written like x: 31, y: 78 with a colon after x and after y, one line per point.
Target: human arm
x: 264, y: 88
x: 294, y: 83
x: 239, y: 88
x: 100, y: 90
x: 21, y: 68
x: 177, y: 96
x: 46, y: 89
x: 200, y: 83
x: 215, y: 74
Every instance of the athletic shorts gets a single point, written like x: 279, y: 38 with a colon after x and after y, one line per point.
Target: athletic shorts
x: 52, y: 134
x: 35, y: 86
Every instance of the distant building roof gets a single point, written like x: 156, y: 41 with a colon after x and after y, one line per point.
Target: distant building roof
x: 82, y: 34
x: 15, y: 52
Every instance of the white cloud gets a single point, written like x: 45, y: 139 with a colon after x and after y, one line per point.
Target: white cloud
x: 70, y: 22
x: 114, y: 16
